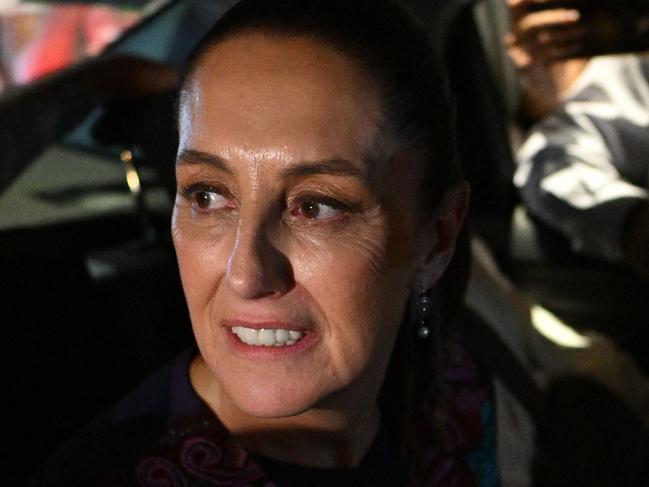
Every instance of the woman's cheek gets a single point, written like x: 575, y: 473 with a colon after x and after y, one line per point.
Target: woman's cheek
x: 364, y: 248
x: 353, y: 290
x: 309, y: 258
x: 343, y: 274
x: 201, y: 254
x: 318, y: 254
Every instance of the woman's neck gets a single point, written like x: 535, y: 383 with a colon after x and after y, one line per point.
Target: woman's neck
x: 334, y: 437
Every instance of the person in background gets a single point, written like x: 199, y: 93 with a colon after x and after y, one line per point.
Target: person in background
x: 584, y: 166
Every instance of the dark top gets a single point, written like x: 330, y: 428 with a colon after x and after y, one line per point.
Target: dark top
x: 164, y: 435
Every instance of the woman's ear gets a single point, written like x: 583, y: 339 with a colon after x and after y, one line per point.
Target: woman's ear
x: 445, y: 224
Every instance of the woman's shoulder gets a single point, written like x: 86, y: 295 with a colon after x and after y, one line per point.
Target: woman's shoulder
x: 161, y: 430
x: 113, y: 436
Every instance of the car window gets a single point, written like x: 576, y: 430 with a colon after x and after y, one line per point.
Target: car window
x: 39, y: 38
x: 82, y: 178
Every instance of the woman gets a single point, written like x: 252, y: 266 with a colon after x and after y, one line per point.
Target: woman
x: 319, y: 203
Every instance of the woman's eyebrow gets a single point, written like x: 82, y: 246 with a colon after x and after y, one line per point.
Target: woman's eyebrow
x: 337, y: 167
x: 191, y: 156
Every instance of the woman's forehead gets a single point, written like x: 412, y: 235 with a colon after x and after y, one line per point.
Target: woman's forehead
x: 280, y: 55
x: 274, y: 92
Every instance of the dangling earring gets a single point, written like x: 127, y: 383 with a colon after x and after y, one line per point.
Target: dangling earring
x: 423, y: 314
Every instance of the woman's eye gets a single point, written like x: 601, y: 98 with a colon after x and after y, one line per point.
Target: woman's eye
x: 210, y: 200
x: 317, y: 210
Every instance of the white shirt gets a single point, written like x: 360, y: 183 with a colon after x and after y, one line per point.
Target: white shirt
x: 583, y: 168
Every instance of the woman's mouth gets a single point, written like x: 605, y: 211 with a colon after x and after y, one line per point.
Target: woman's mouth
x: 267, y: 337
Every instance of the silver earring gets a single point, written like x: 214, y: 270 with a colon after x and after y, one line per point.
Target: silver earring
x: 423, y: 314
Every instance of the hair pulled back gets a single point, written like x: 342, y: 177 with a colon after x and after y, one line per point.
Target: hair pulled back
x: 397, y: 55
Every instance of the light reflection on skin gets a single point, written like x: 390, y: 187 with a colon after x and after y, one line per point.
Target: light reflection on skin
x: 266, y: 107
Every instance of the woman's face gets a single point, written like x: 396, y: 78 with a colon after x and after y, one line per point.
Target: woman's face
x: 296, y: 252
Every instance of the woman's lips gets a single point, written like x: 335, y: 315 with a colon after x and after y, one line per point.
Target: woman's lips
x: 268, y: 338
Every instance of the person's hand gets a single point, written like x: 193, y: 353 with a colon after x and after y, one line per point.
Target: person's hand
x: 551, y: 40
x: 544, y: 36
x: 636, y: 240
x: 538, y: 44
x: 555, y: 30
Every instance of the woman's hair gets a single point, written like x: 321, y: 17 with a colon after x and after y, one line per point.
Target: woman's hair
x: 397, y: 55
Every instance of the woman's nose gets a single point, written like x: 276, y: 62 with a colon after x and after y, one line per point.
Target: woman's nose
x: 257, y: 268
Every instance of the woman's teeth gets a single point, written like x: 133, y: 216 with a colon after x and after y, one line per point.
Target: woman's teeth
x: 269, y: 337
